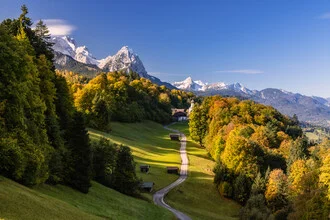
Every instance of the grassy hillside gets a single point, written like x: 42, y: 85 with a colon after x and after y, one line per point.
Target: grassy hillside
x: 106, y: 203
x: 150, y: 144
x: 18, y: 202
x: 197, y: 196
x: 61, y: 202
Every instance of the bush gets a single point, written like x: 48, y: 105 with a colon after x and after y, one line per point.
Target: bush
x: 226, y: 189
x: 256, y: 208
x: 242, y: 186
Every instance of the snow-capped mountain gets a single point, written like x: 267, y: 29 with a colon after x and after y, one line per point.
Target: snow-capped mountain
x: 190, y: 85
x: 199, y: 86
x: 67, y: 46
x: 125, y: 58
x: 70, y: 56
x: 315, y: 110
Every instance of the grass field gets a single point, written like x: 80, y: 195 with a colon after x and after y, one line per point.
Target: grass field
x: 61, y: 202
x: 151, y: 145
x: 197, y: 196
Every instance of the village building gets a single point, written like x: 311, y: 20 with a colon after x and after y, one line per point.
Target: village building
x: 192, y: 104
x: 175, y: 137
x: 179, y: 115
x: 144, y: 168
x: 173, y: 170
x: 147, y: 186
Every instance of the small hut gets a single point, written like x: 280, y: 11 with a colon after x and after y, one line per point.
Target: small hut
x: 175, y: 137
x: 173, y: 170
x: 144, y: 168
x: 147, y: 186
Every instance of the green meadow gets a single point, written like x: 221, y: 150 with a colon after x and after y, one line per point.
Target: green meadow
x: 150, y: 144
x: 61, y: 202
x: 198, y: 196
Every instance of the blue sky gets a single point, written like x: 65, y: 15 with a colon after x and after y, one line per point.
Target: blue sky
x: 261, y: 44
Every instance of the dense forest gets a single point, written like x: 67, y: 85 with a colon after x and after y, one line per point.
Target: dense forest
x: 43, y: 118
x: 123, y: 97
x: 264, y: 161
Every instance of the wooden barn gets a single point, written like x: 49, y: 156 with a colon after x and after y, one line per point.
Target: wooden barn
x: 175, y: 137
x: 173, y: 170
x: 147, y: 186
x: 144, y: 168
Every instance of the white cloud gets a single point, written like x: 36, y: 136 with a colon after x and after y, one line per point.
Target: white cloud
x: 325, y: 16
x: 243, y: 71
x: 59, y: 27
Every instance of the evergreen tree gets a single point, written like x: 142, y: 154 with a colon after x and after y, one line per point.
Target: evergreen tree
x: 298, y: 150
x: 259, y: 185
x: 79, y: 164
x: 40, y: 40
x: 64, y: 105
x: 125, y: 179
x: 104, y: 161
x: 242, y: 186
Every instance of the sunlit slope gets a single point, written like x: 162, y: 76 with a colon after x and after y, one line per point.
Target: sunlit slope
x: 150, y: 144
x: 198, y: 196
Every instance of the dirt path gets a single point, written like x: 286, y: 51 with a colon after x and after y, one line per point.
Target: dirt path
x: 159, y: 195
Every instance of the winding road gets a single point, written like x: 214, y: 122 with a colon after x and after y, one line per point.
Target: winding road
x: 159, y: 195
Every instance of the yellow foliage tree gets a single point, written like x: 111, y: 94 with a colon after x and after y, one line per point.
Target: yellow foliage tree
x: 297, y: 171
x: 325, y: 174
x: 276, y: 189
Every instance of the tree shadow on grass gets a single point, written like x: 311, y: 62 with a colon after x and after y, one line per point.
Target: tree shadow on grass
x: 156, y: 163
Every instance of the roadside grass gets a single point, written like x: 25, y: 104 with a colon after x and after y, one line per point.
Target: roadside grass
x: 62, y: 202
x: 151, y: 145
x: 198, y: 196
x: 106, y: 203
x: 20, y: 202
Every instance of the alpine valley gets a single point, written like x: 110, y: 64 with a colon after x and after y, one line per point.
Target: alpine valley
x: 69, y: 56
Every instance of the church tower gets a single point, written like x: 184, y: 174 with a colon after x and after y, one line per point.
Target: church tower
x: 191, y: 106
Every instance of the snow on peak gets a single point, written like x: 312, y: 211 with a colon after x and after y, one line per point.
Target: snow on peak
x: 104, y: 61
x: 67, y: 45
x: 84, y: 56
x: 191, y: 85
x: 125, y: 58
x: 126, y: 49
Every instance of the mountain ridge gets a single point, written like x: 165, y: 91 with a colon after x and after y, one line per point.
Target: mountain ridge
x: 311, y: 109
x: 70, y: 56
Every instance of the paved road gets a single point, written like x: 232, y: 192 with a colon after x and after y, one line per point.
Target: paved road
x: 159, y: 195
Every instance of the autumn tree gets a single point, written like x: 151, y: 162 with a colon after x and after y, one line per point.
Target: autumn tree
x: 198, y: 124
x: 276, y: 190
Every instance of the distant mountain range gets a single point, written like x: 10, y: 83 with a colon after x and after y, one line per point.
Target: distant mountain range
x: 314, y: 110
x: 69, y: 56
